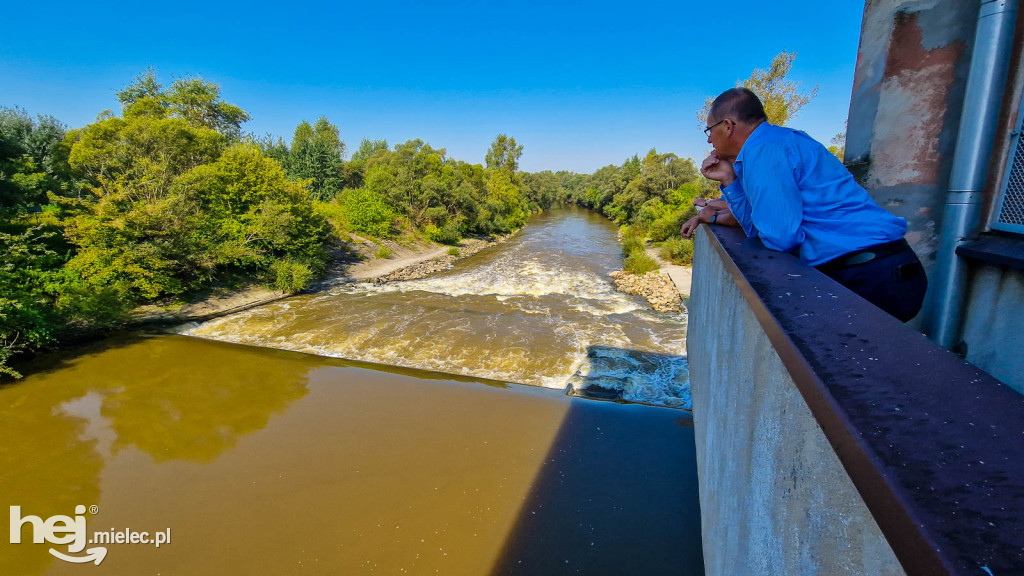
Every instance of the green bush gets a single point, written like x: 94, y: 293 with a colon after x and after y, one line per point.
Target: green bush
x: 435, y: 215
x: 631, y: 244
x: 678, y: 250
x: 28, y: 319
x: 367, y: 212
x: 667, y: 226
x: 431, y: 231
x: 88, y: 305
x: 640, y: 263
x: 453, y: 251
x: 447, y: 234
x: 382, y: 253
x: 649, y: 211
x: 291, y: 276
x: 333, y: 213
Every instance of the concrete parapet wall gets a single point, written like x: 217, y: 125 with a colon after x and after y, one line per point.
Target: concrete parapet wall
x: 774, y: 497
x: 992, y: 334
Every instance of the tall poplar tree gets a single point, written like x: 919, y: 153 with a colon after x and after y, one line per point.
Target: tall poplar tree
x: 504, y: 154
x: 781, y: 96
x: 316, y: 154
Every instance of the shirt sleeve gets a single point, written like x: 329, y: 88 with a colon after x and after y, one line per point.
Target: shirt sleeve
x: 738, y: 205
x: 776, y: 206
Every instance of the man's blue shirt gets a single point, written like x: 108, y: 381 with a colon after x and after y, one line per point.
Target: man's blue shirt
x: 794, y: 194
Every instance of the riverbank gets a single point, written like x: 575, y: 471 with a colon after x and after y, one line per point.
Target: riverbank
x: 656, y: 287
x: 681, y: 276
x: 354, y: 263
x: 666, y: 289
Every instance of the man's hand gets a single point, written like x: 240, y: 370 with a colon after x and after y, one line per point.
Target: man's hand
x: 689, y: 226
x: 703, y: 216
x: 715, y: 168
x: 717, y: 204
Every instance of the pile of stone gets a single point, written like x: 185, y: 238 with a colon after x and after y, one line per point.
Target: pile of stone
x: 434, y: 265
x: 419, y: 269
x: 657, y: 288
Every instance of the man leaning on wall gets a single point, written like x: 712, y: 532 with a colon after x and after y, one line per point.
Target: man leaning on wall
x: 785, y: 188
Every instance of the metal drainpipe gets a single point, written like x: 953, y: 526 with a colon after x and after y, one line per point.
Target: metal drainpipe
x: 990, y: 60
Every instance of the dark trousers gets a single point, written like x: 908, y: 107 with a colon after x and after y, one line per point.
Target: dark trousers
x: 895, y: 283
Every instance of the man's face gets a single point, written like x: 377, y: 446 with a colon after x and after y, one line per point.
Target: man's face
x: 716, y: 132
x: 719, y: 132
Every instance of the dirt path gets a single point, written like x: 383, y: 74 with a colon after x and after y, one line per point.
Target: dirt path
x: 367, y: 270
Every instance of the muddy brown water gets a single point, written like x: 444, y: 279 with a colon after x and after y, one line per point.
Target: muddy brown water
x: 263, y: 461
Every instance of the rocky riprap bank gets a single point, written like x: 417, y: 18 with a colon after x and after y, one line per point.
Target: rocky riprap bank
x: 428, y: 267
x: 657, y: 288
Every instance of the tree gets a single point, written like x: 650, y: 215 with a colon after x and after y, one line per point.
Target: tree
x: 838, y: 146
x: 237, y: 214
x: 316, y: 155
x: 541, y: 189
x: 505, y: 206
x: 367, y: 148
x: 144, y: 85
x: 192, y: 99
x: 176, y: 204
x: 504, y: 154
x: 653, y: 178
x: 603, y: 185
x: 199, y: 103
x: 139, y: 155
x: 412, y: 178
x: 781, y: 97
x: 272, y: 147
x: 33, y: 162
x: 28, y: 318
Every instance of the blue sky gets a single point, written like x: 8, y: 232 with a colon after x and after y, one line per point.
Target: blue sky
x: 579, y: 84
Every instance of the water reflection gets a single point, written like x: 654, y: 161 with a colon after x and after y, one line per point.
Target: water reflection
x: 167, y: 415
x: 46, y: 466
x: 170, y: 398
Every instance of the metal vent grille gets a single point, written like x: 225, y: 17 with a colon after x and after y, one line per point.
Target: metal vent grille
x: 1011, y: 209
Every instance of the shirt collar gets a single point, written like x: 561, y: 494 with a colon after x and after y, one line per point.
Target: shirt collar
x: 759, y: 133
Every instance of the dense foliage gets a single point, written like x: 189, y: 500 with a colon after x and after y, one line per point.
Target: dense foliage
x: 169, y: 197
x: 33, y: 168
x: 160, y: 200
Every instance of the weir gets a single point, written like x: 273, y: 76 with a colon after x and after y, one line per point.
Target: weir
x: 539, y: 309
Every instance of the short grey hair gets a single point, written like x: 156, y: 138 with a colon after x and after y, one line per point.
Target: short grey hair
x: 739, y: 104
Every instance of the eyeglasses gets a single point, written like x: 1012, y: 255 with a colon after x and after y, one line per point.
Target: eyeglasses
x: 707, y: 131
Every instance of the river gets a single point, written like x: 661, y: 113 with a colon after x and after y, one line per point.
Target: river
x: 263, y: 461
x: 539, y: 309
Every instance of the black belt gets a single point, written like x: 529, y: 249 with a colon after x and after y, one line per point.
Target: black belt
x: 863, y: 255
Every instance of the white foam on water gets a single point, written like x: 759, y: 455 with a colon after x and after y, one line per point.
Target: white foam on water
x: 510, y: 277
